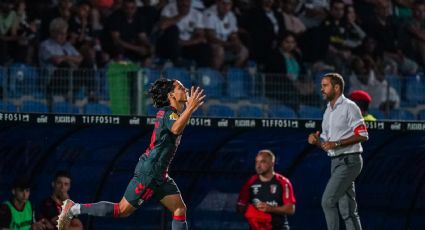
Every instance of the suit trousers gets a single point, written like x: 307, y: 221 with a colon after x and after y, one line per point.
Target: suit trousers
x: 340, y: 192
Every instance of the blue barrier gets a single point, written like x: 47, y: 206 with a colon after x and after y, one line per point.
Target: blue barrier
x: 211, y: 165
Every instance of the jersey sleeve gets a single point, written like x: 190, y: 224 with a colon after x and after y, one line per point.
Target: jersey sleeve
x: 356, y: 121
x: 169, y: 118
x: 5, y: 216
x: 288, y: 196
x: 244, y: 194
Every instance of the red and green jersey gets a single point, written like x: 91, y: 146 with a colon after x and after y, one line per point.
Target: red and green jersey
x: 163, y: 145
x: 276, y: 192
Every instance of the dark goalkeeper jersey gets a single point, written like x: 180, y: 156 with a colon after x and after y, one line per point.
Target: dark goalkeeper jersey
x: 276, y: 192
x: 163, y: 145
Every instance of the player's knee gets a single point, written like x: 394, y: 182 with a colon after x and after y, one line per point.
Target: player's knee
x: 328, y: 202
x: 344, y: 215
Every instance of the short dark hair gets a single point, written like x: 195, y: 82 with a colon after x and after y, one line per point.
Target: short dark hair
x: 61, y: 173
x: 21, y: 182
x: 287, y: 34
x: 336, y: 79
x: 159, y: 92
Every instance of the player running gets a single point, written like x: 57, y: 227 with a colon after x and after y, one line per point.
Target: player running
x: 151, y: 173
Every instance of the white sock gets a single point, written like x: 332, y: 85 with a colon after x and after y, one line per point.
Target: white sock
x: 75, y: 210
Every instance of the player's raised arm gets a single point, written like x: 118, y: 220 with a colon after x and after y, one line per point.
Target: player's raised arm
x: 193, y: 101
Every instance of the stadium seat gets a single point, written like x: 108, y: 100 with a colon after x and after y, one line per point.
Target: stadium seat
x: 415, y: 89
x: 220, y: 111
x: 401, y: 114
x: 198, y: 113
x: 80, y: 94
x: 395, y: 82
x: 102, y: 84
x: 30, y: 106
x: 180, y: 74
x: 150, y: 76
x: 238, y: 83
x: 421, y: 114
x: 310, y: 112
x: 282, y: 111
x: 151, y: 110
x: 96, y: 108
x: 250, y: 111
x: 211, y: 81
x: 317, y: 78
x: 22, y: 81
x: 64, y: 107
x: 377, y: 113
x: 7, y: 107
x: 2, y: 78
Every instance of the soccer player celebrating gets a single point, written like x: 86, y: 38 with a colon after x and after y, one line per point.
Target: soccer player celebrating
x: 151, y: 173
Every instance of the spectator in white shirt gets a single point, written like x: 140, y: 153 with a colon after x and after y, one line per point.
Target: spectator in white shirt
x: 292, y: 22
x: 222, y: 32
x: 313, y: 12
x: 370, y: 77
x: 182, y: 34
x: 63, y: 61
x: 384, y: 95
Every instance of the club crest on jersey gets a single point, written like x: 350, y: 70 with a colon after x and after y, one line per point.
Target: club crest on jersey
x: 174, y: 116
x: 273, y: 188
x: 255, y: 188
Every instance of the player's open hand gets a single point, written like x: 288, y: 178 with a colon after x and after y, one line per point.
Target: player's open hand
x: 195, y: 98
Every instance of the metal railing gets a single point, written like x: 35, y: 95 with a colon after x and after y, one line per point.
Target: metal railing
x: 121, y: 89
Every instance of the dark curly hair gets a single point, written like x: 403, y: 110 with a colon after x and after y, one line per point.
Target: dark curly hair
x: 159, y: 92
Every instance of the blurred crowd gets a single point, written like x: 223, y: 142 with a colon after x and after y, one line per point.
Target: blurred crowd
x: 365, y: 40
